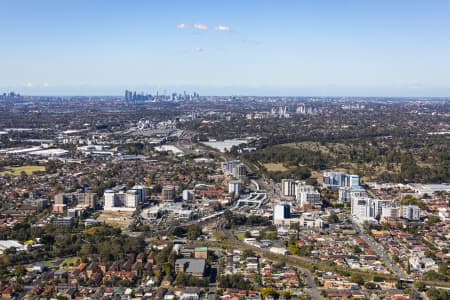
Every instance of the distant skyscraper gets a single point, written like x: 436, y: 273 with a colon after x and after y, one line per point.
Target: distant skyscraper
x: 128, y: 95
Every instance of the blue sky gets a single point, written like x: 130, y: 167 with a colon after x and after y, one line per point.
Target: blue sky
x: 373, y: 48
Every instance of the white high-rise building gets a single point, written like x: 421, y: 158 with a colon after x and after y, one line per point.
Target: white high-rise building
x: 281, y: 214
x: 369, y: 209
x: 119, y: 200
x: 339, y: 179
x: 132, y: 198
x: 235, y: 187
x: 382, y: 204
x: 353, y: 181
x: 228, y: 166
x: 411, y: 212
x: 304, y: 194
x: 188, y: 195
x: 235, y: 168
x: 110, y: 199
x: 307, y: 195
x: 333, y: 179
x: 239, y: 171
x: 392, y: 212
x: 288, y: 187
x: 346, y: 194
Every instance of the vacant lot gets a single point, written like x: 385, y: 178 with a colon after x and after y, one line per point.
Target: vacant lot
x: 273, y: 167
x: 119, y: 219
x: 16, y: 171
x: 318, y: 176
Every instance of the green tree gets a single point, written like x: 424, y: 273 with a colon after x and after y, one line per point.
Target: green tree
x: 269, y: 292
x: 356, y: 278
x: 420, y: 286
x: 20, y: 271
x: 333, y: 218
x: 194, y: 232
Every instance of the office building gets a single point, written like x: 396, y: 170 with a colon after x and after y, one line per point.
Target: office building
x: 390, y: 212
x: 307, y: 195
x: 352, y: 181
x: 109, y: 199
x: 333, y: 179
x: 81, y: 199
x: 116, y: 199
x: 192, y: 266
x: 369, y: 209
x: 309, y: 198
x: 282, y: 215
x: 228, y: 166
x: 288, y: 187
x: 234, y: 168
x: 132, y: 198
x: 411, y: 212
x: 339, y: 179
x: 235, y: 187
x: 90, y: 200
x: 282, y: 211
x: 141, y: 192
x: 240, y: 171
x: 346, y: 194
x: 188, y: 195
x: 168, y: 193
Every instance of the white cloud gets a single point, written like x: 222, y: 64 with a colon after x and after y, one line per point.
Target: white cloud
x: 200, y: 26
x: 182, y: 26
x: 222, y: 28
x: 199, y: 50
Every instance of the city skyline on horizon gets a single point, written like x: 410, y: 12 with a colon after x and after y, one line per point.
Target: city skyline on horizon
x: 209, y: 92
x: 258, y: 48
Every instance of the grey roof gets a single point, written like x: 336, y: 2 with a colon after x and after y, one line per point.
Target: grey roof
x: 195, y: 266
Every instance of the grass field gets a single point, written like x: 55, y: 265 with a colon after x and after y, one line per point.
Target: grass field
x: 70, y: 263
x: 273, y: 167
x: 240, y: 235
x: 308, y: 145
x: 16, y: 171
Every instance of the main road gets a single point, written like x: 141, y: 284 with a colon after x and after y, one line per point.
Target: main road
x: 389, y: 262
x: 311, y: 288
